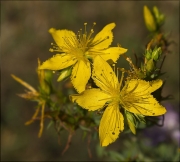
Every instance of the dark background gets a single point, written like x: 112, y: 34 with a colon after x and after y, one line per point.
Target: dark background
x: 25, y: 37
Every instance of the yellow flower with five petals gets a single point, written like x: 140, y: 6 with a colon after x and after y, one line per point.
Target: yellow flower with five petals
x: 76, y: 51
x: 135, y: 97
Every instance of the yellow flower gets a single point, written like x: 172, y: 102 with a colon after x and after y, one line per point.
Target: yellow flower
x: 134, y: 97
x: 76, y: 50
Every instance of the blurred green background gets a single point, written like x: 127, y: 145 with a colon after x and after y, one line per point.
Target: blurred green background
x: 25, y: 37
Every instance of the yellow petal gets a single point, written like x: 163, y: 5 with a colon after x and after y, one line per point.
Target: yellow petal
x: 140, y: 87
x: 113, y: 53
x: 91, y: 99
x: 155, y: 84
x: 137, y: 99
x: 80, y: 75
x: 104, y: 38
x: 145, y: 105
x: 64, y: 38
x: 111, y: 124
x: 58, y: 62
x: 103, y: 75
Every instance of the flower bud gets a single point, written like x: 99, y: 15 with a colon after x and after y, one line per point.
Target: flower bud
x: 156, y: 53
x: 159, y: 17
x: 150, y: 65
x: 149, y: 20
x: 148, y: 54
x: 131, y: 121
x: 48, y: 75
x: 64, y: 74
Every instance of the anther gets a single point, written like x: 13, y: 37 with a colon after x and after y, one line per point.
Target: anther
x: 80, y: 33
x: 118, y: 45
x: 51, y: 50
x: 93, y: 25
x: 85, y: 28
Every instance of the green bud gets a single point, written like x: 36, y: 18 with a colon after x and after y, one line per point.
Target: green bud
x: 44, y: 80
x: 131, y: 121
x: 153, y: 76
x: 150, y: 65
x: 64, y: 74
x: 156, y: 12
x: 48, y: 75
x: 45, y: 87
x: 159, y: 17
x: 148, y: 54
x: 149, y: 20
x: 156, y: 53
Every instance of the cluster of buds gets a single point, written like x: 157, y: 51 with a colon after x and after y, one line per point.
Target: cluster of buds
x: 153, y: 20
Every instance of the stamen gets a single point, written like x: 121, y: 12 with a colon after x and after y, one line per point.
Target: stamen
x: 118, y: 45
x: 122, y: 76
x: 80, y: 34
x: 51, y: 50
x: 89, y: 36
x: 112, y: 79
x: 91, y: 32
x: 55, y: 47
x: 85, y: 31
x: 113, y: 67
x: 117, y: 74
x: 93, y: 27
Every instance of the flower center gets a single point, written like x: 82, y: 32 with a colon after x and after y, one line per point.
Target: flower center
x: 85, y: 39
x: 77, y: 45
